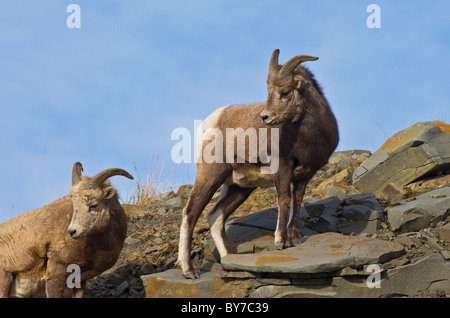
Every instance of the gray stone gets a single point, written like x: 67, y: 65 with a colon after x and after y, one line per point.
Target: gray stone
x: 130, y: 241
x: 359, y: 219
x: 320, y: 253
x: 175, y: 203
x: 347, y: 163
x: 366, y: 199
x: 339, y: 190
x: 406, y: 241
x: 327, y: 222
x: 184, y: 190
x: 315, y: 209
x: 431, y: 273
x: 146, y: 269
x: 445, y: 254
x: 407, y: 156
x: 159, y: 206
x: 338, y: 156
x: 360, y: 214
x: 116, y: 279
x: 369, y: 225
x: 443, y: 232
x: 122, y: 288
x: 356, y: 212
x: 424, y: 211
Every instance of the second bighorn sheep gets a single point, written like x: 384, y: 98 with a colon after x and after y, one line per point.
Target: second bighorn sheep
x: 308, y: 135
x: 86, y: 228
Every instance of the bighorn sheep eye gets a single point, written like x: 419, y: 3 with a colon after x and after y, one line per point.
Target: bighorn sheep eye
x: 284, y: 95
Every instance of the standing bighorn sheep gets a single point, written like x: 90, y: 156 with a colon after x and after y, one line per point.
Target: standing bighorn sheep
x: 86, y: 228
x: 308, y: 135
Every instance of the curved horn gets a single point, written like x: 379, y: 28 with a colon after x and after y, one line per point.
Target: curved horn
x: 76, y: 173
x: 274, y: 61
x: 101, y: 177
x: 290, y: 65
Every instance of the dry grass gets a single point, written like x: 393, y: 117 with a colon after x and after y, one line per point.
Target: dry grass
x: 152, y: 189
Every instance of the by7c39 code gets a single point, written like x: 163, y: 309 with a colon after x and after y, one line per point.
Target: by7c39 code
x: 246, y: 307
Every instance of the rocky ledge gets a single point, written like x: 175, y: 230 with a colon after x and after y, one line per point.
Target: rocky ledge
x: 324, y: 265
x: 374, y: 225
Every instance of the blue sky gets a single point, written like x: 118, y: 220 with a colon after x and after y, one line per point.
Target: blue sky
x: 110, y: 93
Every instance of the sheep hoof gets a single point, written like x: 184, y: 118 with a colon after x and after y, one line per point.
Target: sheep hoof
x: 191, y: 275
x: 295, y: 242
x: 296, y: 239
x: 282, y: 242
x: 281, y: 246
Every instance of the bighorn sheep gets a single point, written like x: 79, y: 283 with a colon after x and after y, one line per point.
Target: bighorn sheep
x: 86, y: 228
x: 308, y: 134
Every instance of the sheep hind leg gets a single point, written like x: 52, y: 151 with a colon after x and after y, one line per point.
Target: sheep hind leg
x: 5, y: 283
x: 284, y: 203
x: 231, y: 198
x: 209, y: 179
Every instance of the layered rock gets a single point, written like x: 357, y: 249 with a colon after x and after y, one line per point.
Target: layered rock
x: 410, y: 154
x: 425, y: 210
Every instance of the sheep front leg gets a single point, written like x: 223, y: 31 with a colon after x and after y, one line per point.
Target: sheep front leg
x: 56, y: 281
x: 283, y: 186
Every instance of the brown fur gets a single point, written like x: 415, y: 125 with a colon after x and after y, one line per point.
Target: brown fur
x: 308, y: 135
x: 36, y: 248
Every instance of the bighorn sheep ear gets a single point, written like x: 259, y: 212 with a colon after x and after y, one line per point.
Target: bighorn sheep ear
x: 274, y: 62
x: 298, y: 81
x: 76, y: 173
x: 108, y: 192
x: 290, y: 65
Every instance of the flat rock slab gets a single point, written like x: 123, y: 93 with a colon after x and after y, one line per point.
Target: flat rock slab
x: 320, y: 253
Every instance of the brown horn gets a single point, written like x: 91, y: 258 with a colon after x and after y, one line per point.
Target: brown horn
x: 101, y: 177
x: 76, y: 173
x: 290, y: 65
x: 274, y: 62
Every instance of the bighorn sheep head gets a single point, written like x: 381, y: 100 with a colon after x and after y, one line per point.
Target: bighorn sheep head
x: 284, y: 102
x: 90, y: 198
